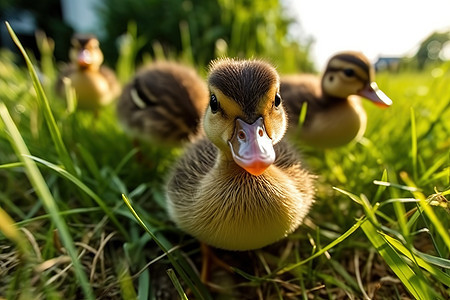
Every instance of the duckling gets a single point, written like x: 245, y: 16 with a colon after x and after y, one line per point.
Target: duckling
x: 334, y: 114
x: 241, y: 187
x: 95, y: 85
x: 164, y: 103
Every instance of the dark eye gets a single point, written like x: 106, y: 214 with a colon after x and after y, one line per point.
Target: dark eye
x: 349, y: 72
x: 277, y: 100
x: 214, y: 104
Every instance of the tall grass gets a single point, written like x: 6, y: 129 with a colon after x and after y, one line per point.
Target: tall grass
x: 379, y: 228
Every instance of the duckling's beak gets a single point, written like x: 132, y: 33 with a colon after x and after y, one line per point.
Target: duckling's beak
x: 373, y: 93
x: 84, y: 58
x: 251, y: 147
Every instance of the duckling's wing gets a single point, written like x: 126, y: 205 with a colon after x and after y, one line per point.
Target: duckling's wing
x: 288, y: 160
x: 196, y: 162
x: 295, y: 90
x: 171, y: 100
x: 111, y: 78
x: 286, y: 156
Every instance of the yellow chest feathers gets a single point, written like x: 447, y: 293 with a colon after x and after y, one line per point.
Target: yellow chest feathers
x: 92, y: 89
x: 337, y: 125
x: 238, y: 211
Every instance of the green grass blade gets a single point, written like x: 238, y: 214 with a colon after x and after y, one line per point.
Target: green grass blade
x: 302, y: 115
x: 129, y: 47
x: 192, y: 281
x: 90, y: 162
x: 402, y: 200
x: 85, y: 189
x: 158, y: 51
x: 324, y: 249
x: 370, y: 211
x: 343, y: 272
x: 187, y: 54
x: 400, y: 212
x: 381, y: 188
x: 330, y: 279
x: 125, y: 160
x: 410, y: 280
x: 419, y: 258
x: 126, y: 283
x: 177, y: 284
x: 433, y: 169
x: 144, y: 286
x: 11, y: 165
x: 254, y: 279
x: 435, y: 260
x: 71, y: 96
x: 350, y: 195
x: 424, y: 205
x: 46, y: 48
x: 61, y: 149
x: 414, y: 143
x: 73, y: 211
x: 396, y: 185
x: 38, y: 183
x: 11, y: 231
x: 12, y: 206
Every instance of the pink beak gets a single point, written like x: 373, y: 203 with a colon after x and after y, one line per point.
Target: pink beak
x: 374, y: 94
x: 251, y: 147
x: 84, y: 58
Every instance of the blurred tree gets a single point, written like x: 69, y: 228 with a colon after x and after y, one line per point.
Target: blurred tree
x: 430, y: 50
x: 206, y: 29
x: 48, y: 16
x: 261, y: 28
x: 159, y: 21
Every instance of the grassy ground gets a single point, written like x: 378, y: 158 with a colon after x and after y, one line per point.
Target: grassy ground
x: 379, y: 228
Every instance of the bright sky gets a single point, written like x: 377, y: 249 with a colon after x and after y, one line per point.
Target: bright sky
x: 381, y: 27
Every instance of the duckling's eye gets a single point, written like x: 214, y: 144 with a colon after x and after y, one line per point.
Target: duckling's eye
x: 349, y: 72
x: 277, y: 101
x: 214, y: 104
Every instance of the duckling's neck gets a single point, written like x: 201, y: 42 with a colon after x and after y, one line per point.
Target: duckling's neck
x: 328, y: 100
x: 225, y: 160
x: 88, y: 69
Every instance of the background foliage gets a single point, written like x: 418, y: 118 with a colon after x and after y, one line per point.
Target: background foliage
x: 207, y: 29
x: 199, y: 29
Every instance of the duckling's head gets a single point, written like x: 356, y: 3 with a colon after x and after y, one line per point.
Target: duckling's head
x: 245, y: 116
x: 85, y: 52
x: 351, y: 73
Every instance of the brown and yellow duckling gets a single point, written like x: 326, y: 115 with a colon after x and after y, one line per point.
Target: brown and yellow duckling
x: 95, y: 85
x: 164, y: 104
x: 334, y: 114
x: 241, y: 187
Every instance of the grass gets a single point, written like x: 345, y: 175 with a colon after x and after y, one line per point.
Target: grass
x: 81, y: 217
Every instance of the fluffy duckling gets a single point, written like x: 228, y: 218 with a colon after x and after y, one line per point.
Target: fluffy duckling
x: 334, y: 114
x: 241, y: 187
x: 95, y: 85
x: 164, y: 104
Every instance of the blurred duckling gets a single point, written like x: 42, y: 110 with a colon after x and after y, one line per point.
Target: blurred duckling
x: 94, y: 85
x: 164, y: 104
x: 241, y: 187
x: 334, y: 114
